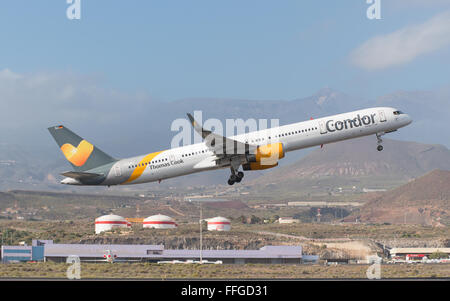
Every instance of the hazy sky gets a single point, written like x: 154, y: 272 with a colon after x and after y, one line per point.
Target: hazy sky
x: 109, y: 71
x: 253, y: 49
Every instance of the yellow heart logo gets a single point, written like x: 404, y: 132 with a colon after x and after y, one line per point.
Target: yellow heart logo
x: 77, y: 155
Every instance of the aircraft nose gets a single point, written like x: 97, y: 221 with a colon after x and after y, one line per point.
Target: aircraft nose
x: 408, y: 119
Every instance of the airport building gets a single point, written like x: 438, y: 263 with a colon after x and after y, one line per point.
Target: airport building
x: 156, y: 253
x: 416, y: 252
x: 35, y: 252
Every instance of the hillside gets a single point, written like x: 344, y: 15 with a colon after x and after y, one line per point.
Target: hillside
x: 425, y: 200
x: 29, y: 157
x: 357, y: 163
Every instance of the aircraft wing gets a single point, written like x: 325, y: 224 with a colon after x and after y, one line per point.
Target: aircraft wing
x: 80, y: 175
x: 222, y: 147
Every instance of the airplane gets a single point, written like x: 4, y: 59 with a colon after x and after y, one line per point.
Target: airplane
x: 253, y: 151
x: 108, y: 256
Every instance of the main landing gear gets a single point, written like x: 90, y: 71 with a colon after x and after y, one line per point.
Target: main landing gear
x: 379, y: 141
x: 235, y: 177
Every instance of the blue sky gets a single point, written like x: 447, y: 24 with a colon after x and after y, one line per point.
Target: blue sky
x: 252, y: 49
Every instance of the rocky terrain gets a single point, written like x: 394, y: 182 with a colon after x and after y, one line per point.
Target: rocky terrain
x: 350, y: 167
x: 425, y: 200
x: 359, y: 158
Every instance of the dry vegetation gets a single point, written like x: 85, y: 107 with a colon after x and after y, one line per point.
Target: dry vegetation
x: 249, y: 271
x: 326, y: 240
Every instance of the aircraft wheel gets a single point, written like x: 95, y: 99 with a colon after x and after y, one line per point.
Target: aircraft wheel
x: 240, y: 175
x: 380, y: 148
x: 230, y: 182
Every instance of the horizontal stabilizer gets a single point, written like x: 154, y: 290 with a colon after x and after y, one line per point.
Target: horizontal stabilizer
x: 78, y: 175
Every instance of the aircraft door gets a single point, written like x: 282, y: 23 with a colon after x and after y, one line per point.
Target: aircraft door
x: 382, y: 116
x: 323, y: 129
x: 117, y: 170
x: 172, y: 159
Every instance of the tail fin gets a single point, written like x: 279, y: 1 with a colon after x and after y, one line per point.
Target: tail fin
x: 80, y: 153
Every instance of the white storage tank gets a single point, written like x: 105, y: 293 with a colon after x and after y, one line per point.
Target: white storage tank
x: 110, y: 221
x: 219, y: 224
x: 159, y: 221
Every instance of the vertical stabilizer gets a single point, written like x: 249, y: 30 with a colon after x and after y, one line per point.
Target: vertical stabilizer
x: 79, y: 152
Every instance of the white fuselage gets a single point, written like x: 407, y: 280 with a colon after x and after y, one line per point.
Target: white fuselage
x: 197, y: 157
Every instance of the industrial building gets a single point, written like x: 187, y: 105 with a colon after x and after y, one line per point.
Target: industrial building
x: 219, y: 224
x: 109, y: 222
x: 49, y: 251
x: 159, y: 221
x: 406, y: 252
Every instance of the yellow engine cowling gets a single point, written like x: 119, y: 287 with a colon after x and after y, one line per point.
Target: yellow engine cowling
x: 257, y: 166
x: 265, y: 156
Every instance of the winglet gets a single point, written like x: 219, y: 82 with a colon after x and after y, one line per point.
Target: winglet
x: 191, y: 119
x: 197, y: 127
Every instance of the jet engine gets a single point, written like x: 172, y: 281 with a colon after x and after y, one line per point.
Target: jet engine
x: 265, y: 156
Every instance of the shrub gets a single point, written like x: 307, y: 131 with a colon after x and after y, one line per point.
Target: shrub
x: 438, y: 255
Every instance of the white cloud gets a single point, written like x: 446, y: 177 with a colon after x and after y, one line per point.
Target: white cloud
x: 31, y: 102
x: 51, y: 96
x: 7, y: 74
x: 404, y: 45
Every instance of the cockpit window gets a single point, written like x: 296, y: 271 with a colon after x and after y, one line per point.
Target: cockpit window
x: 398, y: 112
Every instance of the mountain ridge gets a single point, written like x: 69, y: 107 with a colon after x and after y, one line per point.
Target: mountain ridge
x: 424, y: 200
